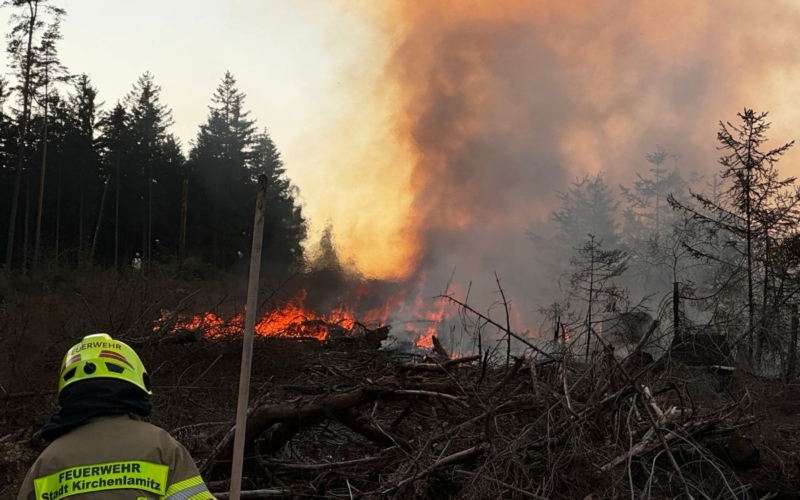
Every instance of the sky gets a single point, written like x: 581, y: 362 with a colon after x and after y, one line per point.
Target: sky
x: 290, y: 57
x: 279, y: 51
x: 433, y: 133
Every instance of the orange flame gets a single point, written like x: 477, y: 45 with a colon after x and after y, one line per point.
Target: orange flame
x: 293, y: 320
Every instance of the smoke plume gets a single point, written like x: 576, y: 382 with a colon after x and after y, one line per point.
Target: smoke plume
x: 481, y: 109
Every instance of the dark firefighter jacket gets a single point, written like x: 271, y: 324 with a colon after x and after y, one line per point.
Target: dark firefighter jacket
x: 115, y: 458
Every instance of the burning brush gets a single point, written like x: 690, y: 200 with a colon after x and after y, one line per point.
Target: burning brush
x: 291, y: 320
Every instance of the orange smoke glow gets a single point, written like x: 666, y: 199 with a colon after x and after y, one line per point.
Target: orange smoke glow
x: 471, y: 113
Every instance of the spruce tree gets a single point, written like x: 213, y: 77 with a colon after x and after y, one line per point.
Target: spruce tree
x: 51, y: 72
x: 115, y: 146
x: 755, y: 210
x: 650, y: 224
x: 285, y: 227
x: 221, y: 162
x: 148, y: 123
x: 587, y: 208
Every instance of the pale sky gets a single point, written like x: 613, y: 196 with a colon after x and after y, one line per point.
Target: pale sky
x: 289, y: 57
x: 280, y: 51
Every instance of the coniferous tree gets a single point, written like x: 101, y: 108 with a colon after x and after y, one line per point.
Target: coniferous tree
x: 149, y: 120
x: 8, y: 145
x: 647, y: 214
x: 221, y: 162
x: 756, y: 211
x: 285, y: 227
x: 115, y: 146
x: 79, y: 184
x: 587, y: 208
x: 51, y: 72
x: 226, y: 160
x: 592, y: 282
x: 29, y: 23
x: 651, y: 226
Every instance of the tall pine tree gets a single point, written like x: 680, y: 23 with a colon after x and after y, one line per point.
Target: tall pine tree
x: 149, y: 175
x: 285, y: 227
x: 226, y: 159
x: 29, y: 22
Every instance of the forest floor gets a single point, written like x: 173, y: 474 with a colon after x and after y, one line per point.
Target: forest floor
x: 342, y: 419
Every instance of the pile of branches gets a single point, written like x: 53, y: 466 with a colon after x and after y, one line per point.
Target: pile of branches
x: 537, y: 426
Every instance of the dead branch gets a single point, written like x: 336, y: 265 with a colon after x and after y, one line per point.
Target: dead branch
x: 431, y: 367
x: 257, y: 494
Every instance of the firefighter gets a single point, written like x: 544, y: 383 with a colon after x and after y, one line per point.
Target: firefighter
x: 100, y: 449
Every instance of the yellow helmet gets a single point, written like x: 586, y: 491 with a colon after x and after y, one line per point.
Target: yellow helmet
x: 100, y: 356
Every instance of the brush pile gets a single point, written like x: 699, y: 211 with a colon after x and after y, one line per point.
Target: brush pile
x: 361, y: 425
x: 343, y: 420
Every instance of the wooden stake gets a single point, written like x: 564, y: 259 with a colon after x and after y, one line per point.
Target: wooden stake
x: 247, y: 346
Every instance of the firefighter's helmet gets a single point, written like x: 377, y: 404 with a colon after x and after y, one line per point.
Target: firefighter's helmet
x: 100, y: 356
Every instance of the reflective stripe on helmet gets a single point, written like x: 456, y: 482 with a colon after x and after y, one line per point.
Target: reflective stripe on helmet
x: 130, y: 475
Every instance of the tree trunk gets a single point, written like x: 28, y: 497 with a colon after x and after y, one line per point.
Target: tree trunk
x: 38, y: 239
x: 748, y: 249
x: 791, y: 370
x: 99, y: 218
x: 23, y: 128
x: 58, y: 213
x: 26, y: 220
x: 116, y: 220
x: 149, y: 218
x: 589, y: 312
x: 184, y: 206
x: 80, y: 225
x: 676, y: 313
x: 765, y: 317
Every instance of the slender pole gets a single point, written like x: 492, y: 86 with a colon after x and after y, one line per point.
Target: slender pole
x: 247, y: 346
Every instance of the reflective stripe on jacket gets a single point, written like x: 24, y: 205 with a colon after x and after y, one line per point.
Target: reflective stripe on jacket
x: 115, y: 458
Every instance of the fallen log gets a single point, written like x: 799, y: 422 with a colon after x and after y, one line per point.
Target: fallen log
x: 292, y: 417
